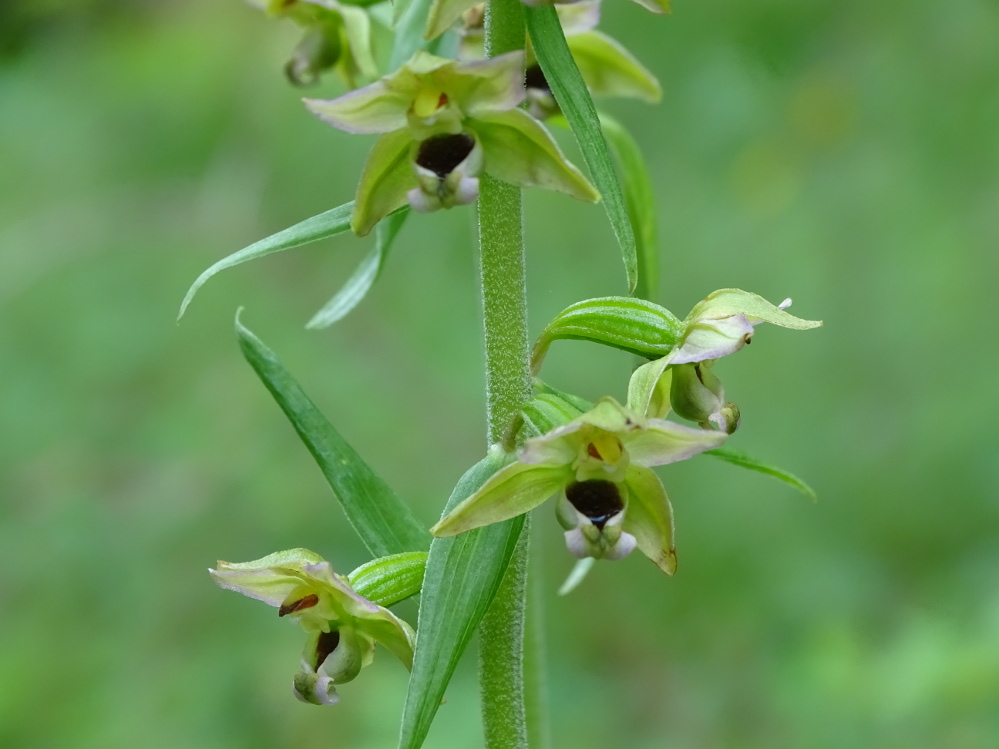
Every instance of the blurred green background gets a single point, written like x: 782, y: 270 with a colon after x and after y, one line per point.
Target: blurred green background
x: 845, y: 154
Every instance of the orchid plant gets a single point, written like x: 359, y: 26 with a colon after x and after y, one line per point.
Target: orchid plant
x: 470, y: 129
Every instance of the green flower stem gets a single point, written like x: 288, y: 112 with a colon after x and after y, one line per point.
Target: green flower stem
x: 504, y: 304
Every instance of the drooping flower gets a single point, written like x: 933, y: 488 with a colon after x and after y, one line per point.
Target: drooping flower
x: 342, y: 626
x: 683, y: 380
x: 337, y: 37
x: 599, y: 465
x: 442, y: 123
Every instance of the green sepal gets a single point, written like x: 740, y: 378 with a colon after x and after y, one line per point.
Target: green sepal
x: 518, y: 149
x: 387, y: 177
x: 509, y: 493
x: 384, y: 522
x: 327, y: 224
x: 630, y: 324
x: 649, y: 517
x: 360, y: 283
x: 610, y: 69
x: 463, y: 575
x: 655, y: 6
x: 576, y: 576
x: 745, y: 461
x: 388, y: 580
x: 574, y: 100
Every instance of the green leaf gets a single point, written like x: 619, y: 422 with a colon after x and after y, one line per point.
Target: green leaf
x: 463, y: 575
x: 640, y: 202
x: 332, y: 222
x: 388, y: 580
x: 745, y: 461
x: 384, y: 522
x: 574, y: 99
x: 358, y: 285
x: 630, y: 324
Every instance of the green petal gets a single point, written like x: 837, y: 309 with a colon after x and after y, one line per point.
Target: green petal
x: 728, y: 302
x: 484, y: 87
x: 512, y: 491
x: 520, y: 151
x: 662, y: 442
x: 649, y: 518
x: 261, y: 579
x: 387, y: 177
x: 609, y: 69
x: 443, y: 13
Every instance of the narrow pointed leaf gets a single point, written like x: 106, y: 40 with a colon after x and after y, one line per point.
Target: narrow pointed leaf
x: 640, y: 202
x: 635, y: 325
x: 745, y: 461
x: 384, y: 522
x: 463, y: 575
x: 388, y: 580
x: 576, y: 104
x: 358, y: 285
x: 330, y: 223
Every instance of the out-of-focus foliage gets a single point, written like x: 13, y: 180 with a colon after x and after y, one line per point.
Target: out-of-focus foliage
x: 845, y: 154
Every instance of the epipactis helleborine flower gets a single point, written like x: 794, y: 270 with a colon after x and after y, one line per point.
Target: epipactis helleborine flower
x: 337, y: 37
x: 342, y: 626
x: 442, y: 123
x: 717, y: 326
x: 609, y: 499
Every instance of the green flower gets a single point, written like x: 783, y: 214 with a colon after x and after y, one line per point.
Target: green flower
x: 599, y: 464
x: 337, y: 37
x: 683, y: 380
x: 442, y: 123
x: 342, y: 627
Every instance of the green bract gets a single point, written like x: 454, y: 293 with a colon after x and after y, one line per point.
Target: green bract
x: 337, y: 37
x: 442, y: 123
x: 342, y: 626
x: 610, y: 501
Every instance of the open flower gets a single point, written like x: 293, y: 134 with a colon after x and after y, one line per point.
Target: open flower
x: 342, y: 626
x: 683, y: 380
x: 442, y: 123
x: 609, y: 499
x: 337, y: 37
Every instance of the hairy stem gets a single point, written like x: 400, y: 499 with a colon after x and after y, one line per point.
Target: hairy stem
x: 504, y: 305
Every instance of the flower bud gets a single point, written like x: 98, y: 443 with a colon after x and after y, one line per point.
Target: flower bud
x: 696, y: 394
